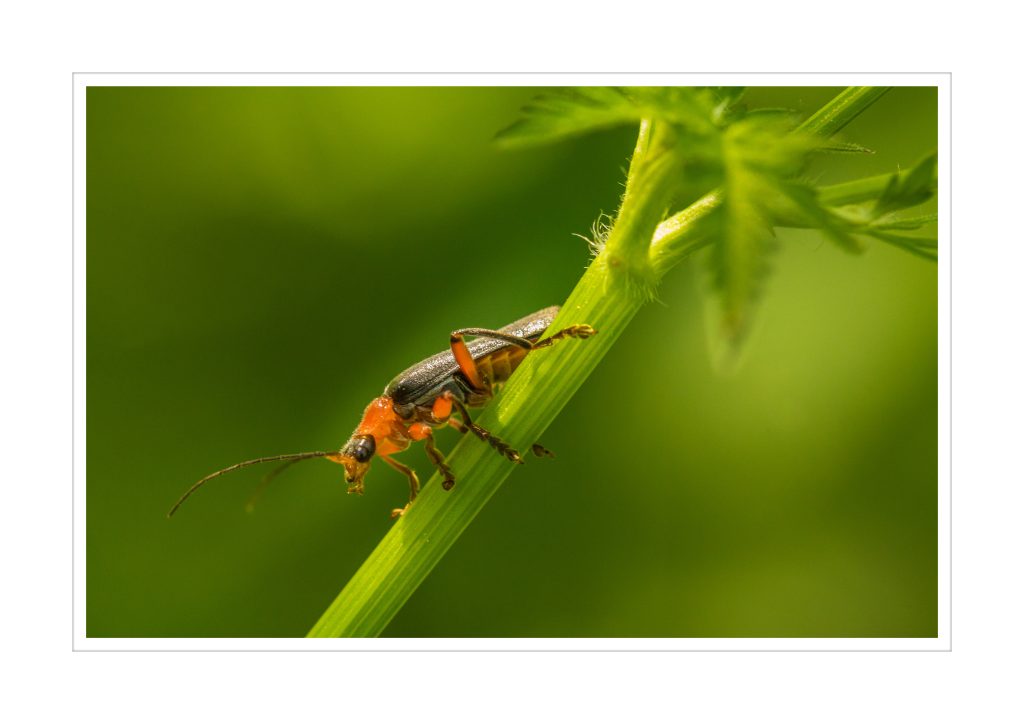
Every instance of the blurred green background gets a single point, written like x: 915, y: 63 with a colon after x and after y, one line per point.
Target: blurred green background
x: 261, y: 261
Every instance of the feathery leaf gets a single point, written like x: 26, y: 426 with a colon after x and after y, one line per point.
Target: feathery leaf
x: 566, y: 112
x: 904, y: 191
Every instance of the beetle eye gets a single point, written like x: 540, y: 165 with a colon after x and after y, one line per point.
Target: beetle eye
x: 363, y: 448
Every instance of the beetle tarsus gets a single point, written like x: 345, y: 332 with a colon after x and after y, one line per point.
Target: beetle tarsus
x: 541, y: 451
x: 410, y: 474
x: 442, y: 467
x: 578, y: 331
x: 488, y: 437
x: 497, y: 443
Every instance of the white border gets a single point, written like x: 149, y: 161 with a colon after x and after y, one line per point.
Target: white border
x: 81, y: 81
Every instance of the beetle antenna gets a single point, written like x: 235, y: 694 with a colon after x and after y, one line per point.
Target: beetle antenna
x: 292, y: 458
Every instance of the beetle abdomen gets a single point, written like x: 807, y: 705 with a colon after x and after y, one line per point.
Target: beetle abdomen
x: 499, y: 365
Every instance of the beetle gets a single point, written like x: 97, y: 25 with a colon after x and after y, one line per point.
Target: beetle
x: 425, y: 396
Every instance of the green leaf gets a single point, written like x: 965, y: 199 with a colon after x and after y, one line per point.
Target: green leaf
x: 728, y: 106
x: 567, y: 112
x: 739, y: 258
x: 729, y: 95
x: 811, y: 213
x: 760, y: 154
x: 834, y: 146
x: 923, y: 246
x: 892, y: 221
x: 908, y: 190
x: 769, y: 146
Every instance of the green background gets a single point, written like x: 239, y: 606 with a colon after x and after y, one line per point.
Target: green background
x: 260, y: 262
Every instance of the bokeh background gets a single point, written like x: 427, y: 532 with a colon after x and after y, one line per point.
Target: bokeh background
x: 260, y: 262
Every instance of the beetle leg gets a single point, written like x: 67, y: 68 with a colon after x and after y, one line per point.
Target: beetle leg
x: 466, y: 362
x: 578, y: 331
x: 438, y: 459
x: 468, y: 367
x: 414, y: 483
x: 541, y: 451
x: 538, y: 449
x: 454, y: 423
x: 422, y: 431
x: 442, y: 407
x: 478, y: 332
x: 488, y: 437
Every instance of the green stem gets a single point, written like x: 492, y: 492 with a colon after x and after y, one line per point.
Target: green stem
x: 858, y: 191
x: 842, y: 109
x: 682, y: 234
x: 536, y: 393
x: 648, y: 185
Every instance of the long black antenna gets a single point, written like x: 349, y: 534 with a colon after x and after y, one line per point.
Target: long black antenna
x: 293, y: 458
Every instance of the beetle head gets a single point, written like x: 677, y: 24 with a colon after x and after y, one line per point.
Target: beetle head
x: 356, y: 456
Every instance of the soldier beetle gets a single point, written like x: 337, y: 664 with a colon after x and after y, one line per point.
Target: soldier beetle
x: 425, y: 396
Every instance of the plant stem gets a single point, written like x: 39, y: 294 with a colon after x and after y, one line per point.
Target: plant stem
x: 682, y: 234
x: 858, y: 191
x: 648, y: 184
x: 604, y: 298
x: 842, y: 109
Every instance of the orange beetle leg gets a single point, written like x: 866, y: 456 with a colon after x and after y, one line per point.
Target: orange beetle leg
x: 442, y: 409
x: 454, y: 422
x: 466, y: 362
x: 414, y: 483
x: 420, y: 431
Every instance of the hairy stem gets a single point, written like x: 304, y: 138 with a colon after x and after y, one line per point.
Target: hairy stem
x: 648, y: 186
